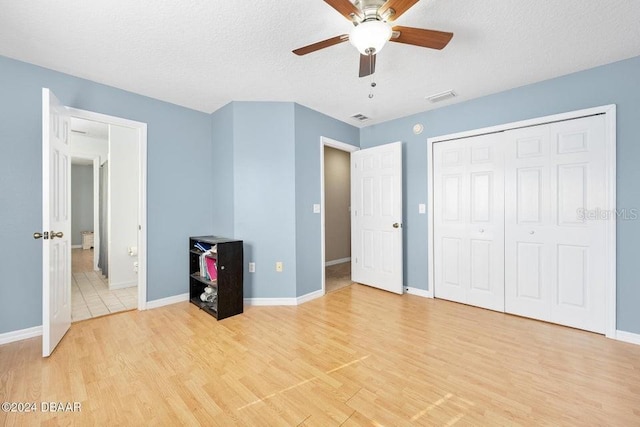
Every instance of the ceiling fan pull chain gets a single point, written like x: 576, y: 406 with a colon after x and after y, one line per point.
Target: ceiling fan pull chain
x: 373, y: 83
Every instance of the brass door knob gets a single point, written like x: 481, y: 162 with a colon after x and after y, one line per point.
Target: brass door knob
x: 58, y: 234
x: 396, y: 225
x: 37, y: 235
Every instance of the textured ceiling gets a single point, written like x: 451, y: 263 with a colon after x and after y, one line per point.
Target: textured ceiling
x: 204, y: 54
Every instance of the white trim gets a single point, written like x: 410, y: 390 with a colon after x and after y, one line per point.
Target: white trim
x: 419, y: 292
x: 20, y: 335
x: 527, y: 123
x: 337, y: 261
x: 324, y: 141
x: 610, y: 147
x: 310, y: 296
x: 123, y: 285
x: 629, y: 337
x: 156, y: 303
x: 610, y: 194
x: 270, y: 301
x: 284, y: 301
x: 142, y: 182
x: 76, y: 246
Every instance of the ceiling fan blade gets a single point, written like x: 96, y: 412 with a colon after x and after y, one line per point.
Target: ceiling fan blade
x: 399, y: 7
x: 421, y: 37
x: 321, y: 45
x: 367, y: 65
x: 345, y: 8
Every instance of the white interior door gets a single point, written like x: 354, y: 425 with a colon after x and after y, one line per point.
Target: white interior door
x: 376, y: 217
x: 555, y: 235
x: 56, y: 222
x: 469, y: 220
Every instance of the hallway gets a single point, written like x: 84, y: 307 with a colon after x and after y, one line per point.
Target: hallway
x: 90, y: 294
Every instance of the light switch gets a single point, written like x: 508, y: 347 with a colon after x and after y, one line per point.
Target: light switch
x: 422, y: 208
x: 316, y: 208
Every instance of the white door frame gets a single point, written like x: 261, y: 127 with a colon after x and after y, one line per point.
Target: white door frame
x: 142, y: 182
x: 328, y: 142
x: 610, y: 165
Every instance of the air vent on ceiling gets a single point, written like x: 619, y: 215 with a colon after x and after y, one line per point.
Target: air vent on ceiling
x: 360, y: 117
x: 447, y: 94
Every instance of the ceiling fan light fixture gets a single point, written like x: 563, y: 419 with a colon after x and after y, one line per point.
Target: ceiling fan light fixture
x: 370, y: 36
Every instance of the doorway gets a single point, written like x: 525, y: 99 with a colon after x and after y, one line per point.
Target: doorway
x: 336, y: 214
x: 108, y: 269
x: 103, y: 156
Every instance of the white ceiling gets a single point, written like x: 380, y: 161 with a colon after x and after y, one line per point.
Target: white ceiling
x: 204, y: 54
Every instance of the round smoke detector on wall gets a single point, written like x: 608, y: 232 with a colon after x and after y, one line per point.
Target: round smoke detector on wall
x: 418, y: 128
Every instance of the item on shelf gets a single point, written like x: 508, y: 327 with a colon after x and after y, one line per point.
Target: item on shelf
x: 216, y: 275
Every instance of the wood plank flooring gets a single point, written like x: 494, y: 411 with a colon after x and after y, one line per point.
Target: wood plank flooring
x: 357, y: 357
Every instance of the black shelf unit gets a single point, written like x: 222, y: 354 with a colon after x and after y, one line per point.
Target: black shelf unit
x: 229, y: 260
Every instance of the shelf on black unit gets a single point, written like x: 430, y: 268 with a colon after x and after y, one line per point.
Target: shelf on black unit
x: 229, y: 283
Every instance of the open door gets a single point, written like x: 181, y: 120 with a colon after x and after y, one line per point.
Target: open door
x: 376, y: 217
x: 56, y: 223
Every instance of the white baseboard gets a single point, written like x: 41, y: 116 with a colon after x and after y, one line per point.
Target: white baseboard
x: 284, y: 301
x: 122, y: 285
x: 308, y: 297
x: 167, y: 301
x: 22, y: 334
x: 337, y: 261
x: 270, y: 301
x: 419, y: 292
x: 629, y: 337
x: 76, y: 246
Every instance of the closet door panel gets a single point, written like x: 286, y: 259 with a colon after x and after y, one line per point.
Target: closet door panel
x: 579, y: 238
x: 527, y: 219
x: 554, y: 254
x: 450, y: 219
x: 469, y: 219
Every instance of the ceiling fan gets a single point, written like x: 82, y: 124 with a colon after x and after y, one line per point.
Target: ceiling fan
x: 371, y: 30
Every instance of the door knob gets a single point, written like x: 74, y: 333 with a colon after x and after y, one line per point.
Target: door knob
x: 482, y: 230
x: 37, y: 235
x: 58, y: 234
x: 532, y: 232
x: 396, y: 225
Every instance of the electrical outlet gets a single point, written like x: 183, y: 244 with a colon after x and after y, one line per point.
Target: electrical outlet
x: 252, y: 267
x: 422, y: 208
x: 135, y: 266
x: 279, y: 267
x: 316, y: 208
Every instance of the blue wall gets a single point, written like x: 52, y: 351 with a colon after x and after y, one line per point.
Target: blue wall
x: 617, y: 83
x: 310, y: 126
x: 179, y: 146
x: 222, y: 184
x: 264, y: 204
x: 266, y: 158
x: 262, y: 163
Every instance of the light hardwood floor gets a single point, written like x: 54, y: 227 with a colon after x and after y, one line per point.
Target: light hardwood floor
x: 358, y: 356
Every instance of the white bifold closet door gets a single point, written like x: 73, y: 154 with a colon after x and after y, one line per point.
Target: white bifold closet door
x: 469, y: 221
x: 554, y: 239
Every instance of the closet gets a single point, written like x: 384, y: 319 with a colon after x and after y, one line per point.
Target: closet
x: 518, y: 222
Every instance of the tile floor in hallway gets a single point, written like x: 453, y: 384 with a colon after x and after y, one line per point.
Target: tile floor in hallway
x: 90, y: 294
